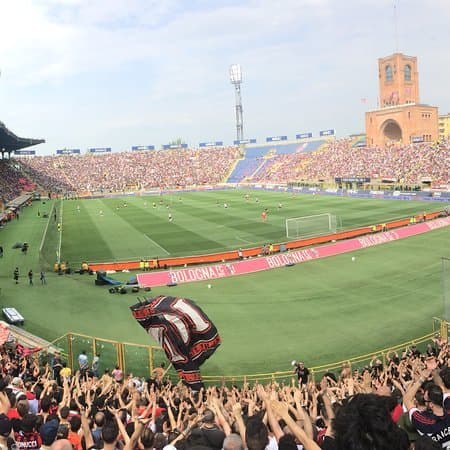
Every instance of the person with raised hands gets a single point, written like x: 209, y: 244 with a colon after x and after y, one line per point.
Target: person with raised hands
x: 281, y: 409
x: 435, y: 420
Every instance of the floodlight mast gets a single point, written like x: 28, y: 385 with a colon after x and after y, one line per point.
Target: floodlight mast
x: 236, y: 80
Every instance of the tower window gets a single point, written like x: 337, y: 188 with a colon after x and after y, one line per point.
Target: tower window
x: 388, y: 73
x: 407, y: 72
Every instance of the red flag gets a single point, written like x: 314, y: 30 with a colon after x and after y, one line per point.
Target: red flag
x: 25, y: 351
x: 184, y: 331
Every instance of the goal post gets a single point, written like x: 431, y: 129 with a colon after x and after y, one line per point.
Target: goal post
x: 310, y: 226
x: 50, y: 248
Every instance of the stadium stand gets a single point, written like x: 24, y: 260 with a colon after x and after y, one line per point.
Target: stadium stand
x: 12, y: 181
x: 257, y: 152
x: 46, y: 401
x: 404, y: 164
x: 127, y: 171
x: 245, y: 168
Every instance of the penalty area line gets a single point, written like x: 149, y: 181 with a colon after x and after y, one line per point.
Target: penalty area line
x: 156, y: 244
x: 243, y: 240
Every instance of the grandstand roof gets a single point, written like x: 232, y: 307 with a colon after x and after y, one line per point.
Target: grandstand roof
x: 10, y: 142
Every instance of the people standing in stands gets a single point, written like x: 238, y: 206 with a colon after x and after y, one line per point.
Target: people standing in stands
x: 159, y: 373
x: 117, y: 374
x: 83, y: 363
x: 95, y: 365
x: 16, y: 275
x: 57, y: 367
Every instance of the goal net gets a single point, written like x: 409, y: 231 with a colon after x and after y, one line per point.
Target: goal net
x: 309, y: 226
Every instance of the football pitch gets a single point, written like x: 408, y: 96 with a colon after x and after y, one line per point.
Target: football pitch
x: 132, y: 228
x: 321, y: 311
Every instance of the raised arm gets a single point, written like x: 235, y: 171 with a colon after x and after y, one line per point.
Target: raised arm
x: 282, y: 410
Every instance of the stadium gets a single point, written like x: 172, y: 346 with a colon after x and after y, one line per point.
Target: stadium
x: 298, y: 271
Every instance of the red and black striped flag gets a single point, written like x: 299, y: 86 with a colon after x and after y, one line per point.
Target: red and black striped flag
x: 183, y: 330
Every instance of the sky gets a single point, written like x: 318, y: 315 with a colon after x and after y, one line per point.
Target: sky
x: 118, y: 73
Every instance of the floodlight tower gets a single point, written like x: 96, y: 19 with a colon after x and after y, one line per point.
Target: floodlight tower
x: 236, y: 79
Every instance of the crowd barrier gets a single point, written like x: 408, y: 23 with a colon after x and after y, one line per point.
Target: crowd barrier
x: 140, y: 359
x: 131, y: 358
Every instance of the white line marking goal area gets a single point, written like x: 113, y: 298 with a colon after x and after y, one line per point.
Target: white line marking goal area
x: 156, y: 244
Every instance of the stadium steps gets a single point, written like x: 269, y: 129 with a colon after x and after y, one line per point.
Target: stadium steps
x: 30, y: 340
x: 265, y: 163
x: 232, y: 169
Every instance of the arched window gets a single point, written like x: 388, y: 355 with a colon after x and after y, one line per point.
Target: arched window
x: 388, y: 73
x: 407, y: 72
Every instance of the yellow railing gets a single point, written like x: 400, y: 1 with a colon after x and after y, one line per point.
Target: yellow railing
x: 134, y: 358
x: 357, y: 361
x: 142, y: 359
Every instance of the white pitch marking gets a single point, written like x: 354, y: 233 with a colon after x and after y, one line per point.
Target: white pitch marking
x: 155, y: 243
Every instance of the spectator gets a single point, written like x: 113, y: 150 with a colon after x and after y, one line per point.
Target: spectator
x: 5, y: 430
x: 48, y: 433
x: 83, y: 363
x: 302, y: 372
x: 213, y: 435
x: 356, y: 409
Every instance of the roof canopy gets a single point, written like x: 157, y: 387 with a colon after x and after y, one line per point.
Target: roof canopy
x: 10, y: 142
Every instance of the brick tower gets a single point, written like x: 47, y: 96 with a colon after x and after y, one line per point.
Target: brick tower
x: 400, y: 118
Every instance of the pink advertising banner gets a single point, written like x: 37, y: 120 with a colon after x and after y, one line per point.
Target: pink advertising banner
x: 203, y: 273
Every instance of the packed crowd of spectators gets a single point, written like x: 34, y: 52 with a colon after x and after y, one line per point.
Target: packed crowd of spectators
x: 396, y: 405
x: 12, y: 181
x: 405, y: 164
x: 116, y: 172
x: 162, y: 169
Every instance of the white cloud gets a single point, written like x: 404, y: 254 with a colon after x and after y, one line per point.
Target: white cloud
x: 150, y: 68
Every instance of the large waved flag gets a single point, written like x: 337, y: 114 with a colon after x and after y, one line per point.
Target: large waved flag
x: 183, y: 330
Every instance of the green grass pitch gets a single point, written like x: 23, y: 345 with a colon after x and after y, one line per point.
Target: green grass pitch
x: 320, y: 311
x: 107, y: 230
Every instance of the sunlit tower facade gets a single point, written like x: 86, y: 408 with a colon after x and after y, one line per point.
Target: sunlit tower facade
x: 236, y: 80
